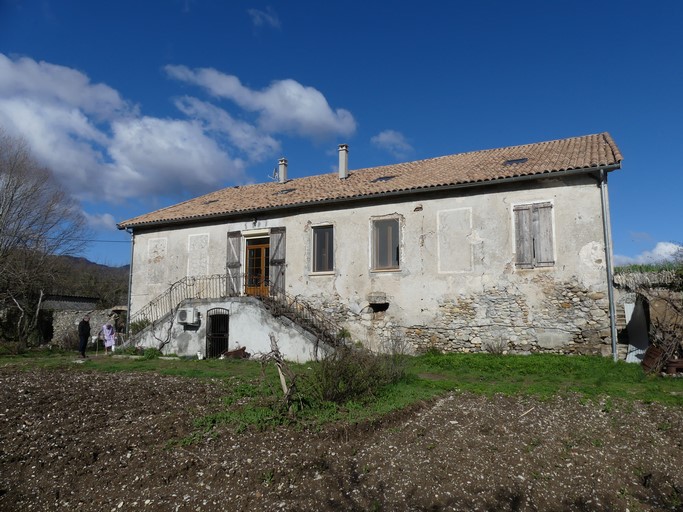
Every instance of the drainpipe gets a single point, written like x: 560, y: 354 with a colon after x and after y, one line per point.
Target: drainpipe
x: 607, y: 230
x: 130, y: 279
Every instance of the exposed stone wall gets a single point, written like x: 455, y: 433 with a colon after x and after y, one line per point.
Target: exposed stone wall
x: 573, y: 320
x: 569, y: 320
x: 65, y: 326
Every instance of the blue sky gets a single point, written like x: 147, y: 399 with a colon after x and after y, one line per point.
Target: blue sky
x: 137, y: 105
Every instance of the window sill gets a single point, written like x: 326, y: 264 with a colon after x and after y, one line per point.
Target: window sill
x: 326, y: 273
x: 384, y: 270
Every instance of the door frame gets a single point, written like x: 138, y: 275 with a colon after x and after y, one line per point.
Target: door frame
x: 257, y: 284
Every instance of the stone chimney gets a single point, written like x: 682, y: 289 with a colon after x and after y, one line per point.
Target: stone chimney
x: 282, y: 170
x: 343, y: 161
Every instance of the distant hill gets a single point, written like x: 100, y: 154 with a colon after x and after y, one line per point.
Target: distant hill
x: 82, y: 277
x: 80, y: 262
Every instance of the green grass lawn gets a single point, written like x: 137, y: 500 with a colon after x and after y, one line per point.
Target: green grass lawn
x: 546, y: 375
x: 426, y: 376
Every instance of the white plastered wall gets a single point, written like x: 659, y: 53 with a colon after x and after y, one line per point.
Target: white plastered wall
x: 452, y: 244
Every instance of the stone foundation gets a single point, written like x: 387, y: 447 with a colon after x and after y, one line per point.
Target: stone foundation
x: 570, y: 320
x: 573, y: 320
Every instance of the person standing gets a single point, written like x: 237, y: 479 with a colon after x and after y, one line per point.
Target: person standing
x: 109, y: 337
x: 83, y: 335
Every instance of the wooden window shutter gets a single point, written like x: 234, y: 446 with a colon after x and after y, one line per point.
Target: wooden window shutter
x: 234, y: 265
x: 542, y: 215
x: 277, y: 260
x: 523, y: 237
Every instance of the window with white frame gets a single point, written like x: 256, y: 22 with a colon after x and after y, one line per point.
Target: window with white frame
x: 323, y: 249
x: 534, y: 235
x: 385, y: 244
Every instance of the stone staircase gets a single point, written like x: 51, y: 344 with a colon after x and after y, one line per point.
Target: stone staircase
x: 306, y: 316
x: 161, y: 308
x: 620, y: 320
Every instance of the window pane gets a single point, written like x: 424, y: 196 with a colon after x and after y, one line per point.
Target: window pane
x: 323, y: 249
x: 386, y: 244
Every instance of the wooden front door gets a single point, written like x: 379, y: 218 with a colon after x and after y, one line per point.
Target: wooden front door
x: 257, y: 266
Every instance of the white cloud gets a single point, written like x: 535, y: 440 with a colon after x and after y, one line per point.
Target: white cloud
x: 59, y: 136
x: 257, y: 145
x: 104, y: 151
x: 100, y: 147
x: 158, y: 156
x: 99, y: 221
x: 663, y: 251
x: 50, y: 83
x: 268, y: 17
x: 285, y: 106
x: 392, y: 142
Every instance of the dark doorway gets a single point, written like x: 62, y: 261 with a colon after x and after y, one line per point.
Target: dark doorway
x: 217, y: 331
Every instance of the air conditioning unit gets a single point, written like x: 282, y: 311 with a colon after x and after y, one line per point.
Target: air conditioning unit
x: 187, y: 316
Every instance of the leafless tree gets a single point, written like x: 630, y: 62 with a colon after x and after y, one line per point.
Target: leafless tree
x: 38, y: 220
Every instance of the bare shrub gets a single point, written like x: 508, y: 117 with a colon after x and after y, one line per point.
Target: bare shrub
x: 495, y: 346
x: 396, y: 344
x: 70, y: 340
x: 352, y: 373
x: 666, y: 316
x: 666, y: 324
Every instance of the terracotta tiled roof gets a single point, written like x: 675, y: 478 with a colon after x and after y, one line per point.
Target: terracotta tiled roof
x: 484, y: 167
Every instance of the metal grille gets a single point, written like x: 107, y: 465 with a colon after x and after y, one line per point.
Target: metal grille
x: 217, y: 331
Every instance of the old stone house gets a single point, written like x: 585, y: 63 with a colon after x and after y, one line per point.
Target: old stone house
x: 501, y: 249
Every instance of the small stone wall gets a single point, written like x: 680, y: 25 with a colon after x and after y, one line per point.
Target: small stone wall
x: 649, y: 280
x: 65, y: 326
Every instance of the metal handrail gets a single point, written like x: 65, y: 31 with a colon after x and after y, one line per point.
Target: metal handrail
x: 305, y: 315
x: 196, y: 287
x: 217, y: 286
